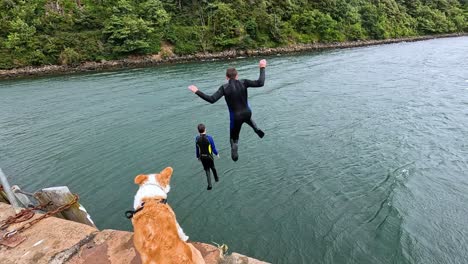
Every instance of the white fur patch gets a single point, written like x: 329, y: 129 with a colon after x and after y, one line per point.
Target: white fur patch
x: 150, y: 188
x: 181, y: 233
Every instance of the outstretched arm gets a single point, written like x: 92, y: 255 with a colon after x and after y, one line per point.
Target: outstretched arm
x: 261, y: 79
x: 209, y: 98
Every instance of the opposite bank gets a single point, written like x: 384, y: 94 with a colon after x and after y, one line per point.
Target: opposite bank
x: 166, y: 56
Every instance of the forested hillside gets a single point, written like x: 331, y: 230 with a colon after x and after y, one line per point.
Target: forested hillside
x: 38, y: 32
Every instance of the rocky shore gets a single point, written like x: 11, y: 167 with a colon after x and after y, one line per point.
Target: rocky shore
x: 54, y: 241
x: 166, y: 57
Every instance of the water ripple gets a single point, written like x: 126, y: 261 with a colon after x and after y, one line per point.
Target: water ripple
x: 364, y: 158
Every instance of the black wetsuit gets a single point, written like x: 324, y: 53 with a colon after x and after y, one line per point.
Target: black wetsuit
x: 235, y: 93
x: 204, y: 148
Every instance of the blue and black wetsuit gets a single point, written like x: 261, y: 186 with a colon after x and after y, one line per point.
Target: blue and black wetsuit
x: 235, y: 93
x: 204, y: 149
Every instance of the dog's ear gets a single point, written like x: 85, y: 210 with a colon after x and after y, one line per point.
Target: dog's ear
x: 165, y: 177
x: 141, y: 179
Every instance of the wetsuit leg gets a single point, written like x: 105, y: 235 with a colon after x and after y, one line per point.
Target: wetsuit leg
x: 235, y: 129
x: 237, y: 119
x: 252, y: 124
x: 206, y: 167
x: 236, y: 125
x: 210, y: 165
x: 215, y: 173
x: 234, y: 148
x: 208, y: 179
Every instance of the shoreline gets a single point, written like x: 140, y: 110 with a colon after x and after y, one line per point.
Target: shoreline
x: 156, y: 59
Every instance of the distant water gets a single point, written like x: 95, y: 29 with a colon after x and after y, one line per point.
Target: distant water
x: 365, y: 158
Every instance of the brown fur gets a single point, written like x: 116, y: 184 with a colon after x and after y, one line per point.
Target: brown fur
x: 140, y: 179
x: 165, y: 177
x: 155, y: 231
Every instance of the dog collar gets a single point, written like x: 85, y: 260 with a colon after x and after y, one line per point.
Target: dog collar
x: 130, y: 213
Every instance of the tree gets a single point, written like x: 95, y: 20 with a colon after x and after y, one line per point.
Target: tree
x: 129, y: 34
x: 134, y: 28
x: 68, y: 31
x: 373, y: 21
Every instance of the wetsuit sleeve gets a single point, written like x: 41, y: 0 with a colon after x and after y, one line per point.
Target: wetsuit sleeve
x: 213, y: 98
x: 213, y: 147
x: 257, y: 83
x: 197, y: 152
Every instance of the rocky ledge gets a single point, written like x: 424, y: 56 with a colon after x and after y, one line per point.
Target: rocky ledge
x: 53, y: 240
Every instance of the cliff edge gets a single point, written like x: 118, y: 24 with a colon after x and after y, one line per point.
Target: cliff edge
x: 53, y: 240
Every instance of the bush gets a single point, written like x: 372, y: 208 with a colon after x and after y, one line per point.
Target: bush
x: 354, y: 32
x: 251, y: 29
x: 36, y: 57
x: 7, y: 60
x: 69, y: 57
x: 186, y: 40
x: 225, y: 25
x: 316, y: 23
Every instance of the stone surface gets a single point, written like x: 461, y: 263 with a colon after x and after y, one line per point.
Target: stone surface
x: 236, y: 258
x: 45, y: 240
x: 55, y: 241
x: 210, y: 253
x: 108, y: 246
x: 113, y: 246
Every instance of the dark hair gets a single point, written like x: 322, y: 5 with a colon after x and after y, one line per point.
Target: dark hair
x: 201, y: 128
x: 231, y: 73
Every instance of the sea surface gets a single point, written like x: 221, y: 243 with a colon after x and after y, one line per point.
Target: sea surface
x: 365, y: 157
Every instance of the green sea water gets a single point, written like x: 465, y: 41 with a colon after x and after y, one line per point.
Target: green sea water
x: 365, y: 158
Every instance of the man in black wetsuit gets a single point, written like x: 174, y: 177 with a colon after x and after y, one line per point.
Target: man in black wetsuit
x: 235, y: 93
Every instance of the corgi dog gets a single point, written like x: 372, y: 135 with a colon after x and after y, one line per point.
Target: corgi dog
x: 158, y: 237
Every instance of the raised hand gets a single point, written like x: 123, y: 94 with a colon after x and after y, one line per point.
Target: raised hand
x: 193, y: 88
x: 262, y: 63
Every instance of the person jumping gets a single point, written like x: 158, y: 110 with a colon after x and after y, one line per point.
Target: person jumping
x: 235, y: 93
x: 205, y: 147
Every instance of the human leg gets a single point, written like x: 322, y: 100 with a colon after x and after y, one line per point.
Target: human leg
x: 215, y: 173
x: 234, y: 148
x: 252, y: 124
x: 206, y: 167
x: 235, y: 130
x: 208, y: 179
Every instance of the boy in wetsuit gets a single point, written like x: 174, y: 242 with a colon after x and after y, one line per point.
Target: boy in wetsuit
x: 205, y: 147
x: 235, y: 93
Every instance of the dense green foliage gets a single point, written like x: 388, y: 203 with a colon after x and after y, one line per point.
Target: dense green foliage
x: 39, y: 32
